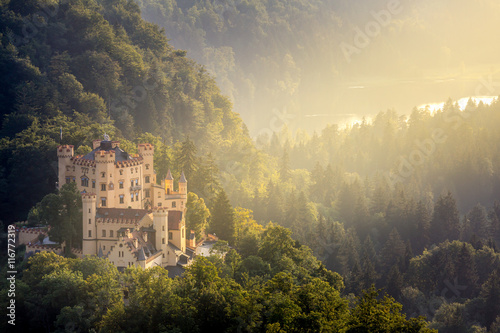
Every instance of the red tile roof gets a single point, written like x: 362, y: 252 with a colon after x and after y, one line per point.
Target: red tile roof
x: 121, y: 213
x: 174, y: 219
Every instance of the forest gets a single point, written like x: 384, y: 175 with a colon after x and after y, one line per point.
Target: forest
x: 302, y: 56
x: 390, y: 224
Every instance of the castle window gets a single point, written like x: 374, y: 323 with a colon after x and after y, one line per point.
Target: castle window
x: 146, y: 193
x: 111, y: 186
x: 147, y: 166
x: 163, y: 255
x: 120, y: 184
x: 136, y: 170
x: 122, y: 199
x: 132, y: 197
x: 162, y: 228
x: 111, y: 233
x: 90, y: 221
x: 159, y: 194
x: 85, y: 181
x: 68, y: 180
x: 159, y: 204
x: 103, y: 202
x: 73, y: 168
x: 89, y: 210
x: 182, y: 204
x: 170, y: 235
x: 103, y: 187
x: 131, y: 170
x: 173, y: 204
x: 68, y: 168
x: 90, y: 233
x: 131, y: 183
x: 121, y: 172
x: 137, y: 182
x: 163, y: 240
x: 136, y: 196
x: 93, y: 171
x: 74, y: 180
x: 103, y: 174
x: 104, y: 247
x: 103, y: 233
x: 93, y: 184
x: 146, y: 180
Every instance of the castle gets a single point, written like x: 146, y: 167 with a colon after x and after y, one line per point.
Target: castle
x: 127, y: 217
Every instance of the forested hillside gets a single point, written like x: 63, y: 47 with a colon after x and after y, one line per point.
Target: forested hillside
x: 408, y: 204
x: 89, y: 67
x: 320, y: 61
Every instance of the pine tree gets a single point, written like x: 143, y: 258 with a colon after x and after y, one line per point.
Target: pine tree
x: 285, y: 167
x: 206, y: 179
x: 380, y: 198
x: 369, y: 252
x: 466, y: 270
x: 423, y: 220
x: 494, y: 223
x: 479, y: 221
x: 490, y: 293
x: 275, y: 203
x: 405, y: 263
x: 186, y: 158
x: 369, y: 275
x: 393, y: 250
x: 348, y: 253
x: 445, y: 222
x: 222, y: 221
x: 291, y: 211
x: 394, y: 282
x: 317, y: 182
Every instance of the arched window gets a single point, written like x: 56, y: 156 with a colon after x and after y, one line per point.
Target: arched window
x: 85, y: 181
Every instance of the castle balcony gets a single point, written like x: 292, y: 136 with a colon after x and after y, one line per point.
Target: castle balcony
x: 135, y: 188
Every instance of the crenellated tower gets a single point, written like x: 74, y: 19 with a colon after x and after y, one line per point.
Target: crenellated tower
x: 160, y: 224
x: 64, y: 155
x: 146, y: 151
x: 89, y: 243
x: 105, y: 167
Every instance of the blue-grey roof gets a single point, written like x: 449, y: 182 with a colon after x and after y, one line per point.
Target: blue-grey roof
x: 141, y: 256
x: 120, y: 154
x: 183, y: 178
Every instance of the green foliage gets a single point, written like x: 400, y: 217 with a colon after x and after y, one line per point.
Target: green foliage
x: 95, y: 67
x: 222, y: 220
x: 373, y: 315
x: 197, y: 215
x: 62, y: 212
x: 292, y: 292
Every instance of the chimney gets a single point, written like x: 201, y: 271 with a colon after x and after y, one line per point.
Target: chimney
x: 192, y: 239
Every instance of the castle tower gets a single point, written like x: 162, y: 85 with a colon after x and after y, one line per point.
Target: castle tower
x: 160, y: 224
x: 105, y: 166
x: 64, y: 155
x: 147, y: 150
x: 169, y: 183
x: 183, y: 184
x: 89, y: 244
